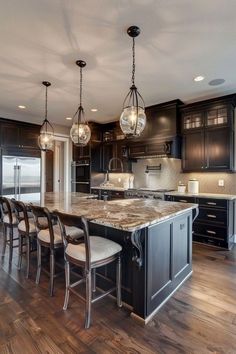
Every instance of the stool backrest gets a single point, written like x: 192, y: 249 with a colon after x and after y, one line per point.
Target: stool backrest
x: 6, y: 208
x: 80, y: 223
x: 39, y: 213
x: 21, y: 213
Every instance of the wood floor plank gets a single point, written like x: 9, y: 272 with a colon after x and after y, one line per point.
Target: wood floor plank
x: 199, y: 319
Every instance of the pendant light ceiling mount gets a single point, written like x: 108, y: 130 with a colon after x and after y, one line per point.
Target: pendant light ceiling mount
x: 46, y: 83
x: 80, y: 132
x: 133, y: 31
x: 133, y: 117
x: 80, y: 63
x: 46, y: 136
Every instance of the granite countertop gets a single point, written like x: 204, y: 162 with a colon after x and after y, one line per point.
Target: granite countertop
x: 203, y: 195
x: 111, y: 188
x: 125, y: 214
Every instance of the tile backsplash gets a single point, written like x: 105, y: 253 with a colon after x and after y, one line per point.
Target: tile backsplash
x: 170, y: 175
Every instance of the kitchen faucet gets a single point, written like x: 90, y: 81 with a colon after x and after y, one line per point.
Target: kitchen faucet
x: 109, y: 168
x: 117, y: 159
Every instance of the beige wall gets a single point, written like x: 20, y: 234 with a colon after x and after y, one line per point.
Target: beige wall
x: 171, y: 174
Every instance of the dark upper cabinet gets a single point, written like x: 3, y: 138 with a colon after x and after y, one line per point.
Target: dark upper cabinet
x: 10, y: 135
x: 19, y: 135
x: 29, y: 136
x: 208, y: 135
x: 163, y: 122
x: 193, y: 151
x: 218, y: 143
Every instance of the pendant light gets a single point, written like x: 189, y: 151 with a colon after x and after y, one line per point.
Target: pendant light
x: 80, y: 132
x: 46, y: 136
x: 133, y: 117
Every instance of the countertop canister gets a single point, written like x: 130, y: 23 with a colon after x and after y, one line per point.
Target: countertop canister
x: 193, y: 186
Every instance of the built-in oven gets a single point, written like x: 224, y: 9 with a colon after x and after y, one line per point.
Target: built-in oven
x: 80, y: 176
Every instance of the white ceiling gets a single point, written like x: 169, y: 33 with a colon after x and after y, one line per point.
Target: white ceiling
x: 42, y: 39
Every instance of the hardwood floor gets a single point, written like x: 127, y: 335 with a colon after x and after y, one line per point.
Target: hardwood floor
x: 200, y: 318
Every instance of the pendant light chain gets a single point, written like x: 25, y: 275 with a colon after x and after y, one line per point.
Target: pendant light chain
x: 46, y: 107
x: 81, y: 79
x: 133, y: 66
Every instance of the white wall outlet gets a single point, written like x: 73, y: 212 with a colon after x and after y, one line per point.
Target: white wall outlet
x: 221, y: 182
x: 119, y: 179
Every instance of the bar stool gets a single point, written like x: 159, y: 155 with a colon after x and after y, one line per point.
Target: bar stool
x: 49, y: 236
x: 9, y: 222
x: 89, y: 254
x: 27, y: 231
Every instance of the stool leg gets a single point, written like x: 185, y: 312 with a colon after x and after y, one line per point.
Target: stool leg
x: 38, y: 262
x: 4, y: 231
x: 28, y: 244
x: 52, y: 272
x: 10, y: 244
x: 94, y: 280
x: 88, y: 299
x: 67, y: 293
x: 118, y: 282
x: 20, y: 252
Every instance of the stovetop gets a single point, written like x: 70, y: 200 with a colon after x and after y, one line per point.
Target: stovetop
x: 147, y: 193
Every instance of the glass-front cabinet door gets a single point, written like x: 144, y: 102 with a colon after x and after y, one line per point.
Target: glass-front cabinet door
x: 193, y: 120
x: 217, y: 116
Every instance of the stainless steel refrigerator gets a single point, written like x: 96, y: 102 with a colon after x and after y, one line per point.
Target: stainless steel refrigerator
x: 21, y: 175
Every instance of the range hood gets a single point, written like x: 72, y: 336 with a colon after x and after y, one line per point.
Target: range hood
x: 170, y: 148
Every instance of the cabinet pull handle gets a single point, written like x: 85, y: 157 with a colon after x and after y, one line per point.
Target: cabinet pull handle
x: 211, y: 216
x: 183, y: 201
x: 211, y: 232
x: 211, y: 203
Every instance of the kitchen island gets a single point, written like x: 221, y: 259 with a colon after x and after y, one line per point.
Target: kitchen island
x: 156, y: 237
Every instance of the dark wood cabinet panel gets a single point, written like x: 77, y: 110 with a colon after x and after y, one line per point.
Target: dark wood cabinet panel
x: 137, y: 150
x: 10, y: 135
x: 29, y: 137
x: 193, y: 151
x: 218, y: 143
x: 19, y: 135
x: 215, y: 222
x: 214, y: 121
x: 172, y: 241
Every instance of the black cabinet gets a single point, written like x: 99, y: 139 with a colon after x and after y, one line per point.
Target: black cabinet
x: 80, y: 152
x: 208, y: 135
x: 215, y: 222
x: 193, y: 151
x: 16, y: 135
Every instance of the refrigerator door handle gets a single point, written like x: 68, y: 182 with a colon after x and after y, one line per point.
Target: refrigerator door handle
x: 15, y: 179
x: 19, y: 179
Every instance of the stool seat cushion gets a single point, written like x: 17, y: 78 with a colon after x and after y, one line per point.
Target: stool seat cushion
x: 22, y: 227
x: 6, y: 219
x: 101, y: 248
x: 71, y: 231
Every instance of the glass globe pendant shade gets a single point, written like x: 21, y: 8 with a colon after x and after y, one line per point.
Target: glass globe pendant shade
x: 46, y: 137
x: 80, y: 133
x: 133, y: 121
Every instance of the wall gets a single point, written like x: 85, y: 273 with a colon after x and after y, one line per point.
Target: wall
x: 171, y: 174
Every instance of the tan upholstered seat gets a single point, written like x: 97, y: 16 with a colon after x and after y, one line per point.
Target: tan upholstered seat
x: 6, y: 219
x: 73, y: 232
x: 21, y: 226
x: 101, y: 249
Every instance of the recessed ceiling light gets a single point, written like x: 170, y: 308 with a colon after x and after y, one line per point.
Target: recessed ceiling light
x: 22, y: 107
x: 94, y: 110
x: 68, y: 118
x: 216, y: 82
x: 199, y: 78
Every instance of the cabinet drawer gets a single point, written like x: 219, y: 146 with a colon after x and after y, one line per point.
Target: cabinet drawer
x: 117, y: 195
x: 214, y: 203
x: 183, y: 199
x: 211, y: 241
x: 214, y: 232
x: 213, y: 216
x: 95, y: 191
